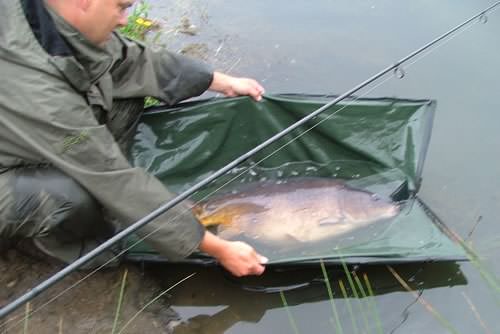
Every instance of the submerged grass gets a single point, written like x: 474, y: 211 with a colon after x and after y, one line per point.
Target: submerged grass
x: 330, y: 294
x: 120, y: 301
x: 445, y: 323
x: 290, y: 317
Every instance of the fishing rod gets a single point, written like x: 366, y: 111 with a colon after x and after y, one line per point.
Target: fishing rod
x: 70, y: 268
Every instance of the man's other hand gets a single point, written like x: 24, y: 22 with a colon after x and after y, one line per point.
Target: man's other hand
x: 237, y: 257
x: 233, y: 86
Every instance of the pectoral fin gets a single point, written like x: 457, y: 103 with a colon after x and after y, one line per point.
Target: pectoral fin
x: 292, y: 238
x: 332, y: 221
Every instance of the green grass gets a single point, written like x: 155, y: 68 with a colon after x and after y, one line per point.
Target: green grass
x: 290, y: 317
x: 330, y: 295
x: 373, y: 306
x: 361, y: 308
x: 120, y: 301
x: 138, y: 26
x: 139, y: 23
x: 27, y: 318
x: 129, y: 321
x: 491, y: 279
x: 349, y: 306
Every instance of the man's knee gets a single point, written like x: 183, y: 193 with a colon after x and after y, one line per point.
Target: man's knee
x: 45, y: 201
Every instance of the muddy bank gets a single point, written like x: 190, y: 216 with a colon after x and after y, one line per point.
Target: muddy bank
x: 89, y: 307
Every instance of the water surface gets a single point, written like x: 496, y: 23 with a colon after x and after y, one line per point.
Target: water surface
x: 327, y: 47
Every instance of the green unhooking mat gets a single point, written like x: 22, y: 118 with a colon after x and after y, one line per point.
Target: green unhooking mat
x: 377, y: 145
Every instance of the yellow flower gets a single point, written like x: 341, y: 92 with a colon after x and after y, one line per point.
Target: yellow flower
x: 144, y: 22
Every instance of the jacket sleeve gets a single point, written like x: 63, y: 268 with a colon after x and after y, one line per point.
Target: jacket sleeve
x: 51, y: 123
x: 141, y: 71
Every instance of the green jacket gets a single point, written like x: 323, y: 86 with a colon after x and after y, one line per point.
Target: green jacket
x: 56, y: 90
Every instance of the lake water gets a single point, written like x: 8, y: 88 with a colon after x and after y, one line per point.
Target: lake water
x: 327, y: 47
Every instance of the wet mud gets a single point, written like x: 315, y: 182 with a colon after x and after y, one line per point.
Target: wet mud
x: 90, y: 306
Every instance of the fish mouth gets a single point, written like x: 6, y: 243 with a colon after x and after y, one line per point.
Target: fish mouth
x: 394, y: 210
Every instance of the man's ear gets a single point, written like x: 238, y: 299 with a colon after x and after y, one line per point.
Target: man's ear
x: 84, y: 5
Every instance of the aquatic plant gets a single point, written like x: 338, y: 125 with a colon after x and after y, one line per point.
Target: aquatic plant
x: 491, y: 280
x: 287, y: 309
x: 349, y: 306
x: 428, y: 306
x: 362, y: 310
x: 330, y: 295
x: 476, y: 313
x: 372, y: 304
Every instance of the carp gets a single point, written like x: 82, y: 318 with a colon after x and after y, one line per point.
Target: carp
x: 303, y: 210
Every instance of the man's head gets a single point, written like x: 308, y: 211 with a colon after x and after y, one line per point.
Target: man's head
x: 95, y: 19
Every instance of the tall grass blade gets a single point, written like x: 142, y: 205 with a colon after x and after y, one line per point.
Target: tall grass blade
x: 476, y: 314
x: 349, y: 306
x: 152, y: 301
x: 373, y: 305
x: 446, y: 324
x: 290, y: 317
x: 489, y: 278
x: 27, y: 318
x: 330, y: 295
x: 356, y: 295
x: 120, y: 301
x: 60, y: 326
x: 365, y: 297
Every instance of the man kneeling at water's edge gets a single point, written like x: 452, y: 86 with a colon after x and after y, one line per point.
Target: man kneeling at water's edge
x: 70, y: 104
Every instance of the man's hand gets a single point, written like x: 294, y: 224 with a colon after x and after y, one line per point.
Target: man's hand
x: 232, y: 86
x: 237, y: 257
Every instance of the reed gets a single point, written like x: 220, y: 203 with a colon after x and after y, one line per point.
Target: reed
x: 349, y: 306
x: 473, y: 308
x: 362, y: 310
x: 290, y: 317
x: 372, y: 304
x: 428, y: 306
x: 330, y: 295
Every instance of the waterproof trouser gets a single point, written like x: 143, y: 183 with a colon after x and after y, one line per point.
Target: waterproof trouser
x: 41, y: 206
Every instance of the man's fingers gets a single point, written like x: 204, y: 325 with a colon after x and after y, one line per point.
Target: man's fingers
x: 256, y: 93
x: 258, y: 270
